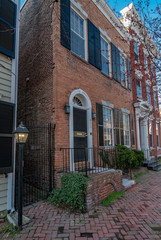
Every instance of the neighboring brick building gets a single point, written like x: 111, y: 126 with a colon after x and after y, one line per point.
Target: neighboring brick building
x: 77, y: 54
x: 144, y: 54
x: 9, y: 34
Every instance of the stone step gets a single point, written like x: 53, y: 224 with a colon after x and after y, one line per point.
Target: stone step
x: 148, y: 162
x: 157, y: 168
x: 128, y: 183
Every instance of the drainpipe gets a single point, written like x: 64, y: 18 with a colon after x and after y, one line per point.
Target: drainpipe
x: 14, y: 94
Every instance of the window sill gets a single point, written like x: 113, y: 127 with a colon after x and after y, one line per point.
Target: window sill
x: 106, y: 75
x: 75, y: 55
x: 152, y: 148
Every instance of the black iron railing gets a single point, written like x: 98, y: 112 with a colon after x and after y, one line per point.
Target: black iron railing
x: 88, y: 160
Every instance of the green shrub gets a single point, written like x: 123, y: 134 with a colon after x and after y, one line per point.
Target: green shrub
x: 72, y: 192
x: 140, y: 156
x: 126, y: 158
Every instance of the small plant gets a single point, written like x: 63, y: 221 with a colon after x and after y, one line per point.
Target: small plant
x: 140, y: 174
x: 104, y: 156
x: 9, y: 228
x: 106, y: 202
x: 140, y: 156
x: 72, y: 192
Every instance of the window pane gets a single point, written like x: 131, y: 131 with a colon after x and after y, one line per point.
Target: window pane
x: 77, y: 45
x: 77, y: 35
x: 139, y: 92
x: 104, y: 56
x: 107, y: 126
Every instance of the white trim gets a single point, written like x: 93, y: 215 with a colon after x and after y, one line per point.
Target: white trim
x: 109, y: 55
x: 148, y: 82
x: 107, y: 104
x: 124, y: 110
x: 88, y: 107
x: 122, y: 53
x: 78, y: 7
x: 112, y: 18
x: 105, y: 34
x: 77, y: 11
x: 138, y: 74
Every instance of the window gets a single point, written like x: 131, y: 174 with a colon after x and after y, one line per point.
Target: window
x: 157, y: 133
x: 121, y: 128
x: 105, y: 125
x: 122, y: 71
x: 77, y: 34
x: 129, y: 75
x: 139, y: 91
x: 148, y: 94
x: 132, y: 130
x: 136, y: 52
x: 126, y: 129
x: 151, y: 133
x: 146, y: 64
x: 104, y: 56
x: 7, y: 27
x: 152, y: 71
x: 155, y: 100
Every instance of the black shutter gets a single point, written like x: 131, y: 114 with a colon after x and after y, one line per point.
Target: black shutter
x: 100, y: 123
x: 7, y: 27
x: 6, y: 136
x: 129, y: 75
x: 113, y: 50
x: 118, y: 65
x: 115, y: 62
x: 65, y: 23
x: 94, y: 45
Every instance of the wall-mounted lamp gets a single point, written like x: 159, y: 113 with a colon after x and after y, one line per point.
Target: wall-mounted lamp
x: 67, y: 108
x: 93, y: 114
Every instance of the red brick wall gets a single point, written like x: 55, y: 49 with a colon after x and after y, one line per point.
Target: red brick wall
x: 102, y: 185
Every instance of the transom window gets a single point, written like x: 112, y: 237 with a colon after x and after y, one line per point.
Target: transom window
x: 148, y: 94
x: 77, y: 34
x: 104, y: 56
x: 77, y: 101
x: 139, y: 91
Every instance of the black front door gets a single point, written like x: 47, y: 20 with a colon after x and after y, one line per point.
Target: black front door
x: 80, y: 134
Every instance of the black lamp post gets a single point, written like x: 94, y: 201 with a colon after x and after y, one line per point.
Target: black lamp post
x: 21, y: 134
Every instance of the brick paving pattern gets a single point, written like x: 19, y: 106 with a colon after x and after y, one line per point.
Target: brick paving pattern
x: 135, y: 216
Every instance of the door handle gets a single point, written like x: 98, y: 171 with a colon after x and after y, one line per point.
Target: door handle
x: 85, y: 135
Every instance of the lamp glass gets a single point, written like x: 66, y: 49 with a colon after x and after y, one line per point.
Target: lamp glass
x: 21, y: 137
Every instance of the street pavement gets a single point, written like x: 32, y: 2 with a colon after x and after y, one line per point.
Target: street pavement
x: 137, y: 215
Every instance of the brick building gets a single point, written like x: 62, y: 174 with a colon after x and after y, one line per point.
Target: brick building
x: 75, y: 59
x: 9, y: 44
x: 144, y: 54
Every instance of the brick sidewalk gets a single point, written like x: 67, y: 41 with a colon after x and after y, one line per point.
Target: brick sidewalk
x: 135, y: 216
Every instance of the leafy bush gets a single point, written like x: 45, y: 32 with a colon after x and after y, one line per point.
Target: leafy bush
x: 72, y: 192
x: 126, y: 158
x: 140, y: 156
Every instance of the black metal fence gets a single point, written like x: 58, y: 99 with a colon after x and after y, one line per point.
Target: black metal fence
x: 88, y: 160
x: 38, y: 163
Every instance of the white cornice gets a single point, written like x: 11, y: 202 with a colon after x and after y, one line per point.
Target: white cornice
x: 79, y: 8
x: 104, y: 34
x: 112, y: 18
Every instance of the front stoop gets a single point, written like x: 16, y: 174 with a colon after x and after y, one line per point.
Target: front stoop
x: 153, y: 165
x: 128, y: 183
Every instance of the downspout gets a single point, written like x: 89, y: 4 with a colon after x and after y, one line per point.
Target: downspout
x: 14, y: 95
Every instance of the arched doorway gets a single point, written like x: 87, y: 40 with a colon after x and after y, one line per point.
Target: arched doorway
x: 80, y: 126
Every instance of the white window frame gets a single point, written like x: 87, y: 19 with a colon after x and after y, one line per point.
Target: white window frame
x: 137, y: 53
x: 147, y: 86
x: 108, y: 46
x: 151, y: 123
x: 107, y: 39
x: 125, y: 71
x: 137, y: 79
x: 157, y: 126
x: 82, y: 14
x: 127, y: 113
x: 155, y: 99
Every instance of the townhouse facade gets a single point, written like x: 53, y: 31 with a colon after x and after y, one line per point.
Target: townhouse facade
x: 144, y: 54
x: 75, y: 72
x: 9, y: 13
